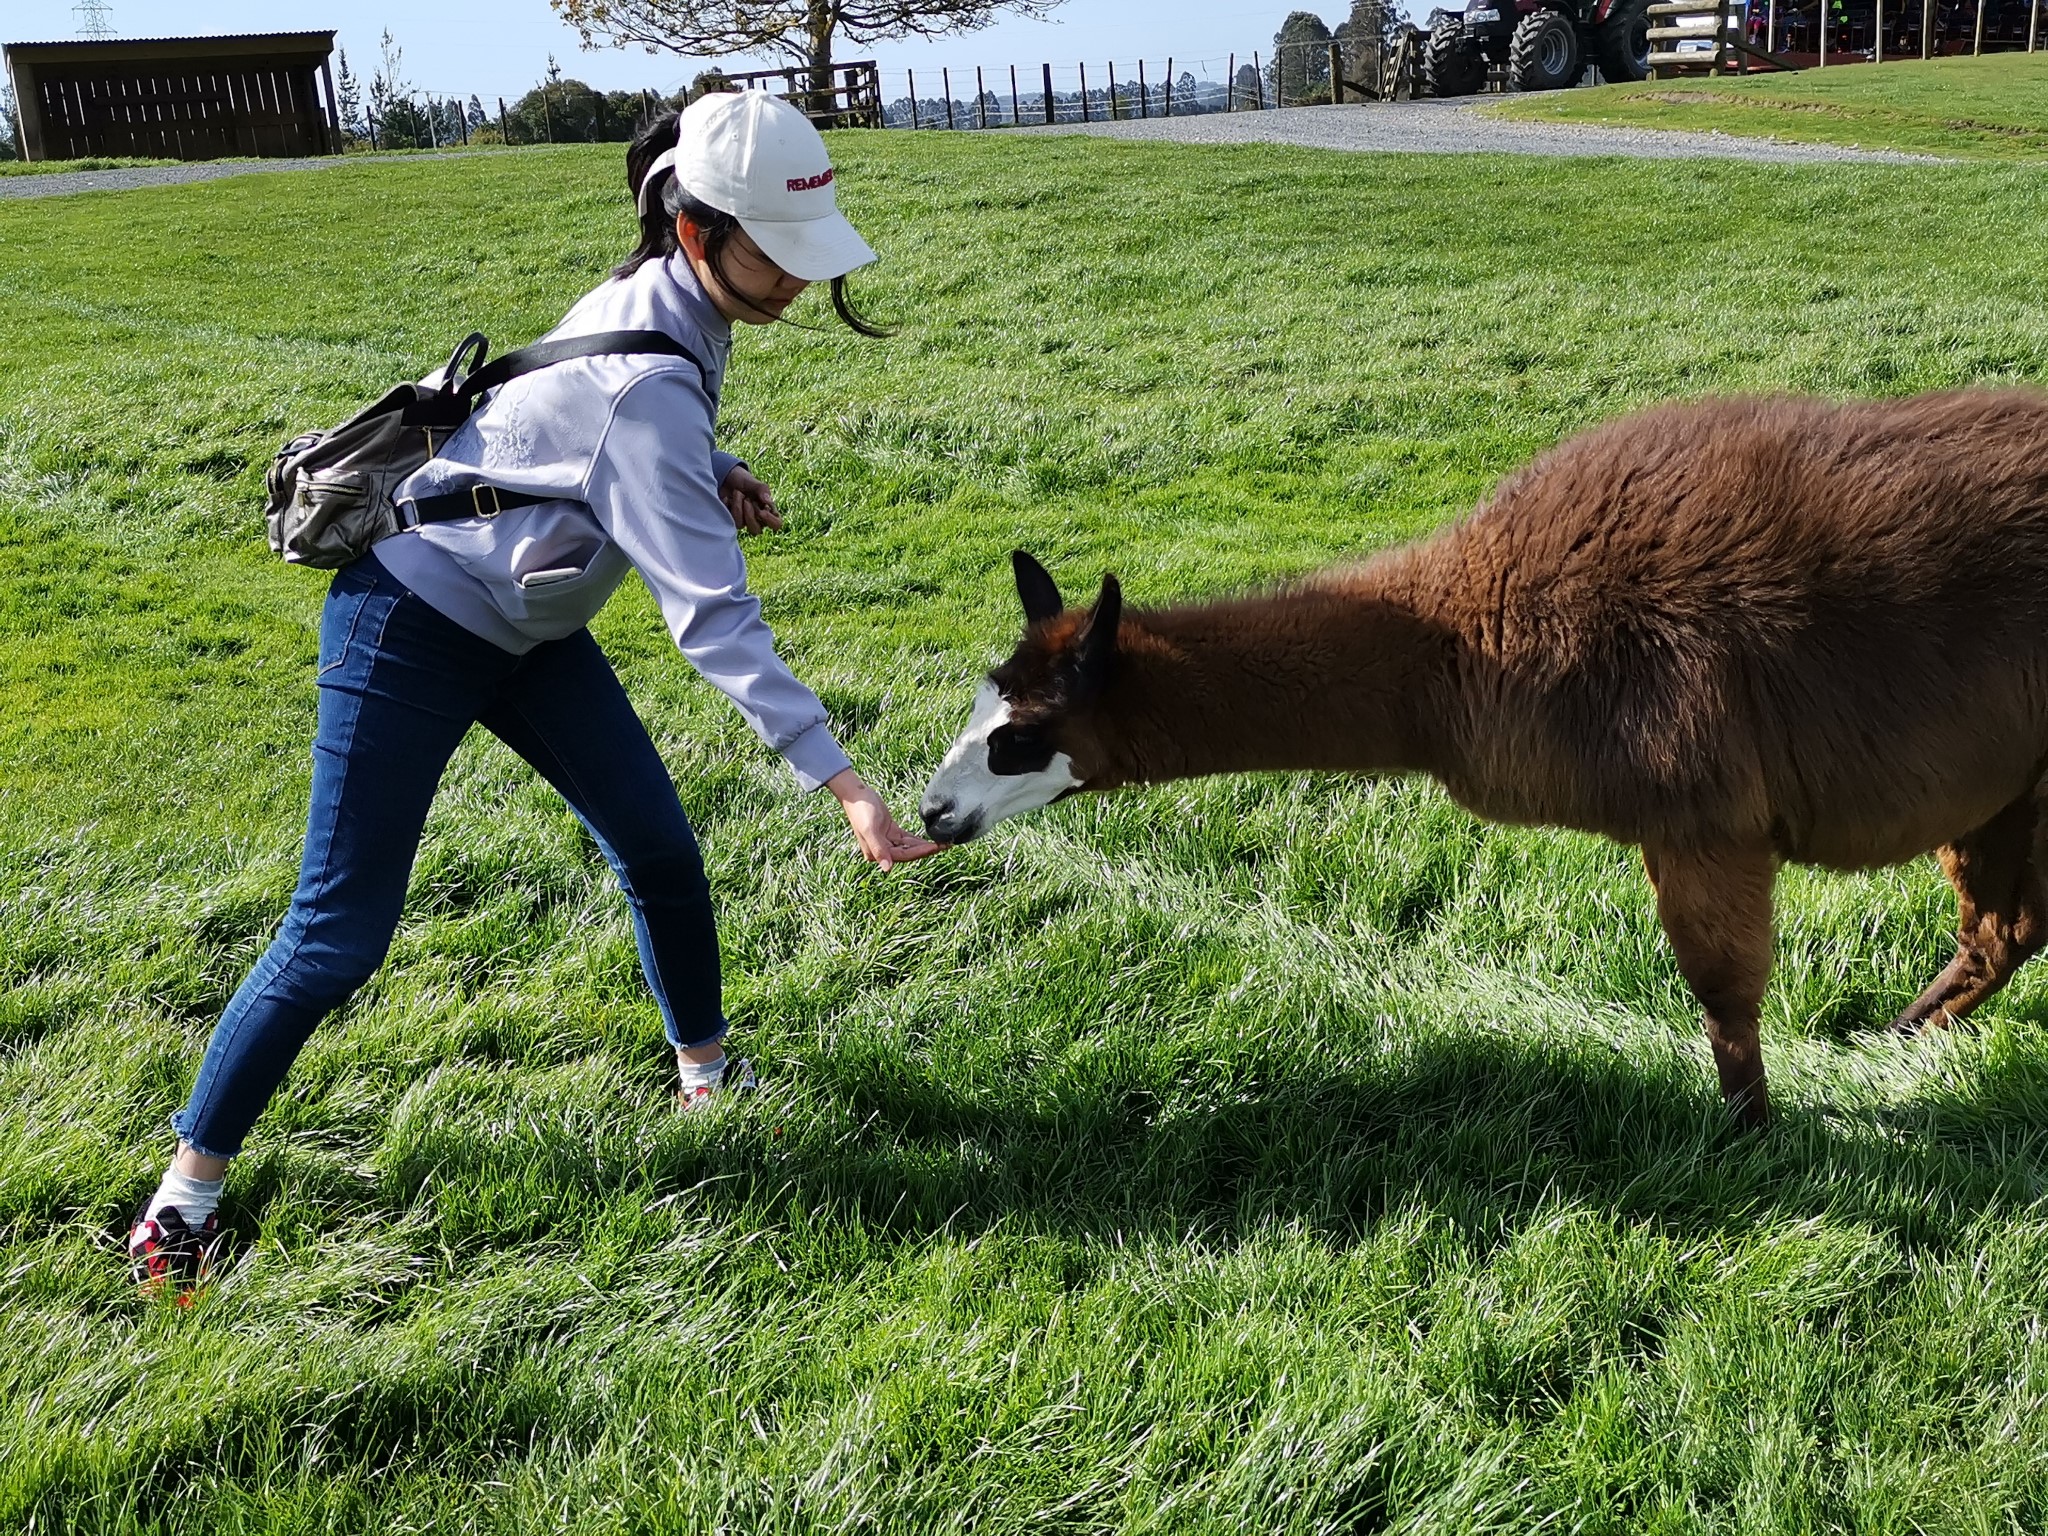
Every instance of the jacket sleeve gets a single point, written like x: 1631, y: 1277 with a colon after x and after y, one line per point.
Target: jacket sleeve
x: 651, y: 488
x: 723, y: 464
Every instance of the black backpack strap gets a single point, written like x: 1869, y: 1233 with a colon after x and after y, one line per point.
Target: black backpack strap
x: 545, y: 354
x: 487, y: 500
x: 484, y: 501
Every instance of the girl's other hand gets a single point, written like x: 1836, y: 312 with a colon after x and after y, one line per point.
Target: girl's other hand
x: 750, y: 502
x: 874, y: 828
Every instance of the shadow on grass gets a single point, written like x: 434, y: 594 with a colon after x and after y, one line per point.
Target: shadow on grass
x: 1482, y: 1132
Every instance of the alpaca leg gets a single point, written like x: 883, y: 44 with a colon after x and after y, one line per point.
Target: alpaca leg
x: 2001, y: 914
x: 1716, y: 911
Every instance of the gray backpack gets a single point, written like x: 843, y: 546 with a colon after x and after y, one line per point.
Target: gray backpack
x: 330, y: 492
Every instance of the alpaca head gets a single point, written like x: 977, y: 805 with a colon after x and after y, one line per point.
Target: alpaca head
x: 1030, y: 741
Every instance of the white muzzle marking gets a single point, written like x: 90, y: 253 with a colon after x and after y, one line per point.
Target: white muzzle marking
x: 965, y: 799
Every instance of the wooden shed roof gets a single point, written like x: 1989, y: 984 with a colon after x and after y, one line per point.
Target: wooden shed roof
x: 120, y: 49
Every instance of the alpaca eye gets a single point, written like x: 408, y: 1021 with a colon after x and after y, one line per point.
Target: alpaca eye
x: 1018, y: 749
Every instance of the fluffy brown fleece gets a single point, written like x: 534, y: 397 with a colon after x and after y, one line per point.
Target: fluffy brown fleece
x: 1734, y: 633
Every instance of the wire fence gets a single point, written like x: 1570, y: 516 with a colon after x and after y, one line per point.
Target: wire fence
x: 970, y: 97
x: 1036, y: 94
x: 1026, y: 95
x: 565, y: 113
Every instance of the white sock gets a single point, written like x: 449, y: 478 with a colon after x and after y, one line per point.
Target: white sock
x: 194, y: 1199
x: 700, y: 1074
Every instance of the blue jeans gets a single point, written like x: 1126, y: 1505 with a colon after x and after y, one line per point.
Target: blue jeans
x: 400, y: 685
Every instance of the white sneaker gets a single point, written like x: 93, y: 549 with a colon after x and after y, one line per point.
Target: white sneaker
x: 738, y: 1077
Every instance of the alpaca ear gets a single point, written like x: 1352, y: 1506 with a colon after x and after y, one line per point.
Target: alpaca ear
x: 1035, y: 588
x: 1097, y: 641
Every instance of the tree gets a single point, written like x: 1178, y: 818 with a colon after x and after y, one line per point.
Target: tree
x: 10, y: 125
x: 801, y: 30
x: 568, y: 111
x: 395, y: 123
x: 1300, y: 68
x: 348, y: 107
x: 1244, y: 87
x: 450, y: 125
x: 477, y: 119
x: 1363, y: 36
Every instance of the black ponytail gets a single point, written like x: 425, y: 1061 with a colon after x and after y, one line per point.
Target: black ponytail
x: 666, y: 199
x: 657, y: 226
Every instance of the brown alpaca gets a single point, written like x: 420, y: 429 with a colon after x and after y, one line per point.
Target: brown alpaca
x: 1733, y: 633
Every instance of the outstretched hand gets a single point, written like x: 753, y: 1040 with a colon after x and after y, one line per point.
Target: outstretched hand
x: 749, y: 500
x: 874, y: 828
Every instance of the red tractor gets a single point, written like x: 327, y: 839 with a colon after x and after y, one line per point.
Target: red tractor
x: 1545, y: 44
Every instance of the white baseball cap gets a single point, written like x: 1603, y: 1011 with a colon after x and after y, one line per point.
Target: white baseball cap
x: 756, y: 157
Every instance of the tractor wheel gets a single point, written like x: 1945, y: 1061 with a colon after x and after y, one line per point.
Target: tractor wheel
x: 1452, y: 66
x: 1624, y: 43
x: 1544, y: 52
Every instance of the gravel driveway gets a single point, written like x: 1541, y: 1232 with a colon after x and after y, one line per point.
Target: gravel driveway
x: 1412, y: 127
x: 165, y: 175
x: 1460, y: 127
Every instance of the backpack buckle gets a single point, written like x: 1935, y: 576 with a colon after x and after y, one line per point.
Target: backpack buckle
x: 476, y: 497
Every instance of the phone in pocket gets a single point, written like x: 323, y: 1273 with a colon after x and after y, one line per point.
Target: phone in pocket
x: 550, y: 577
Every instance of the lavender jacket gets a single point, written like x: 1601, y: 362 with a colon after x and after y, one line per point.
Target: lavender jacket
x: 626, y: 441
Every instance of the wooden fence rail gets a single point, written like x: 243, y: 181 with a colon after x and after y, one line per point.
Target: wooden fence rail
x: 854, y: 102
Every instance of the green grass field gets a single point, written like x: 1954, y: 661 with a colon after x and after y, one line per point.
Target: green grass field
x: 1994, y: 107
x: 1278, y: 1155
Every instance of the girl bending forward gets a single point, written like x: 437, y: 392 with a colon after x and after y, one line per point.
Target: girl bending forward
x: 484, y: 621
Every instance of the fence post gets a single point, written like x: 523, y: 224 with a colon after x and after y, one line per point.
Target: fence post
x: 946, y: 85
x: 2033, y: 25
x: 1230, y: 87
x: 1144, y: 99
x: 462, y: 119
x: 1878, y: 57
x: 1926, y: 29
x: 1977, y: 42
x: 980, y: 96
x: 1823, y: 64
x: 1336, y: 74
x: 1016, y: 112
x: 1047, y: 98
x: 1169, y: 79
x: 504, y: 127
x: 1258, y: 84
x: 1084, y: 93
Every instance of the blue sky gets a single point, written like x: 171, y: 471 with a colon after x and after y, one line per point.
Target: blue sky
x: 501, y: 47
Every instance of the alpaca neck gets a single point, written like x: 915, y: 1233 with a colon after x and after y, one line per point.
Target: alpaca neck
x: 1344, y: 680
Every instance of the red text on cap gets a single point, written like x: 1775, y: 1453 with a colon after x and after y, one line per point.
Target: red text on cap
x: 808, y: 183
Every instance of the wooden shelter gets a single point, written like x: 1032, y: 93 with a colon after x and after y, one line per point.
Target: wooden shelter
x: 176, y: 98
